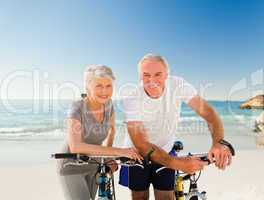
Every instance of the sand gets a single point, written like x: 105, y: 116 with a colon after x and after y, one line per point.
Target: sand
x: 243, y: 180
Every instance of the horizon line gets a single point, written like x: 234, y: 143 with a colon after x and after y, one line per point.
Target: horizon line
x: 114, y: 99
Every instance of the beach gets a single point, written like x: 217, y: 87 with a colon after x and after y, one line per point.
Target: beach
x: 27, y: 141
x: 150, y: 58
x: 28, y: 172
x: 242, y: 180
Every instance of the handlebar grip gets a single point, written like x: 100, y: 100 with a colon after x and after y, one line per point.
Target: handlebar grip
x: 205, y: 159
x: 64, y: 155
x: 124, y: 159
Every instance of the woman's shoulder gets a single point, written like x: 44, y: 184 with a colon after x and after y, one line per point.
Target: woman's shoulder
x: 75, y: 107
x: 77, y: 103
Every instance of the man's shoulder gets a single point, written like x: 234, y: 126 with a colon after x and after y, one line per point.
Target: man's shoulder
x: 130, y: 92
x: 130, y: 100
x: 173, y: 77
x: 175, y: 81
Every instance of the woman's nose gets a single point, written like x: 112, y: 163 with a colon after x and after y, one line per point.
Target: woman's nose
x: 104, y: 90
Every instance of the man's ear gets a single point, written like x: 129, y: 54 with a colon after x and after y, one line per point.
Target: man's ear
x: 140, y: 77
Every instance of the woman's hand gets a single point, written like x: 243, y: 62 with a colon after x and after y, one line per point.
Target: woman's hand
x: 113, y: 165
x: 132, y: 153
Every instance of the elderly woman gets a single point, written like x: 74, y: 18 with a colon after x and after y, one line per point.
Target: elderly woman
x: 90, y: 123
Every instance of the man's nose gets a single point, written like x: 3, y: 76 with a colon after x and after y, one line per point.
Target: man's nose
x: 151, y: 79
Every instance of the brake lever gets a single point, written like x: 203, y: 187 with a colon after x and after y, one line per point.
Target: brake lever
x: 205, y: 159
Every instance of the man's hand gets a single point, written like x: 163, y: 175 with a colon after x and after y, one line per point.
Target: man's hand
x: 190, y: 164
x: 221, y: 155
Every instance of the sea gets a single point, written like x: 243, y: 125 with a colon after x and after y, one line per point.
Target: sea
x: 30, y: 131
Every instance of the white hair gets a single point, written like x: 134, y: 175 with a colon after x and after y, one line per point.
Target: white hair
x: 154, y: 57
x: 97, y: 71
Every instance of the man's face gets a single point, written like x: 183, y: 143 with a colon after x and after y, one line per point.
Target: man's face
x: 153, y: 74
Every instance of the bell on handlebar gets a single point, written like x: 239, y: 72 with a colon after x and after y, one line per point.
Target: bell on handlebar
x: 178, y: 146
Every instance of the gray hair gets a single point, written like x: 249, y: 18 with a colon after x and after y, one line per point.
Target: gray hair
x: 97, y: 71
x: 154, y: 57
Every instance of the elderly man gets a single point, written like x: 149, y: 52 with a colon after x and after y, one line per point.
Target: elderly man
x: 151, y: 113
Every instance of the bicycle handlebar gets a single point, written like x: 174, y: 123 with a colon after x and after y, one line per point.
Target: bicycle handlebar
x: 65, y: 155
x: 86, y: 158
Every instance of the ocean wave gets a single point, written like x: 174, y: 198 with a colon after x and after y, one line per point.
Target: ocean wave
x: 32, y: 133
x: 244, y: 118
x: 42, y: 130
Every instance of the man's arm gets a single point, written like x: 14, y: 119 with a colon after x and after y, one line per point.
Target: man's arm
x: 215, y: 125
x: 140, y: 139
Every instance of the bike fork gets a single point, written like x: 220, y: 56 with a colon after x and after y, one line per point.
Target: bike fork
x: 194, y: 194
x: 179, y: 190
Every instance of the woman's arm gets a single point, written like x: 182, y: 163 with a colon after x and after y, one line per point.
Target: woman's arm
x: 74, y: 137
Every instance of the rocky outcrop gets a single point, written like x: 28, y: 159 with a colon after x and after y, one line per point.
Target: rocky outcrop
x: 256, y: 102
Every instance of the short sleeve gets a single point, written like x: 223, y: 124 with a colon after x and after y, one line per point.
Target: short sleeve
x: 185, y: 91
x: 131, y: 109
x: 75, y: 110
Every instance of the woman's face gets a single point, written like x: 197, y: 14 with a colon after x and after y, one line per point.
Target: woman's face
x: 100, y: 89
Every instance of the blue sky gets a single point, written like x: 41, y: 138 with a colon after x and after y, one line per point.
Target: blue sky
x: 215, y: 42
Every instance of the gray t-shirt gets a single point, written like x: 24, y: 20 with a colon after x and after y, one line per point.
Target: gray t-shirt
x: 93, y: 132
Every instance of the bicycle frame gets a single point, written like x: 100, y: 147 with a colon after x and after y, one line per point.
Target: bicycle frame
x: 106, y: 190
x: 104, y: 178
x: 193, y: 193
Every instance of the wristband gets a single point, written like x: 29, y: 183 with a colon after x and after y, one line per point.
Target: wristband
x: 227, y: 144
x: 147, y: 158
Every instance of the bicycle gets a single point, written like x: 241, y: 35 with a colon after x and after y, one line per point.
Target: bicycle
x: 193, y: 192
x: 104, y: 177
